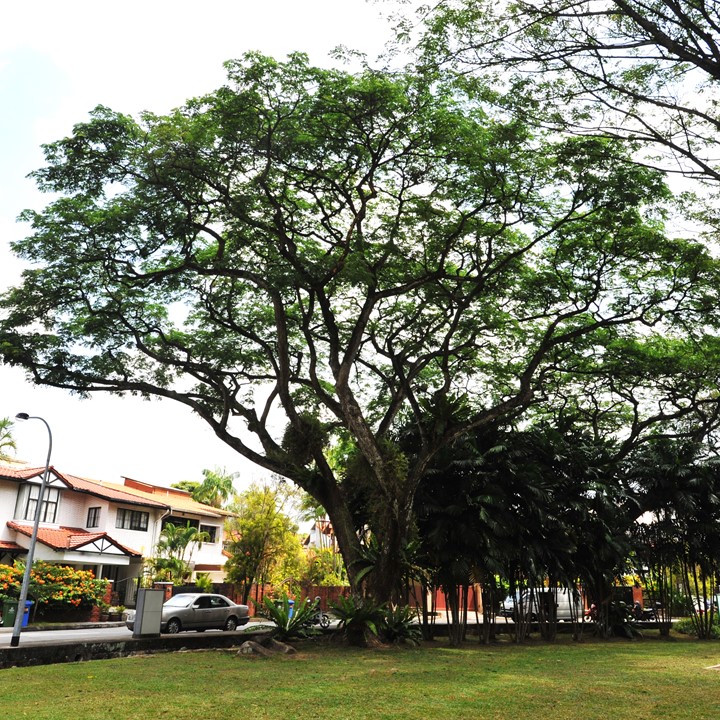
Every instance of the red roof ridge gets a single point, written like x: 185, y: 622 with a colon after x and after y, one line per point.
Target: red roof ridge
x: 65, y: 538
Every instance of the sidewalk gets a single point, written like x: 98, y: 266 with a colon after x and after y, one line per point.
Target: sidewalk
x: 65, y: 626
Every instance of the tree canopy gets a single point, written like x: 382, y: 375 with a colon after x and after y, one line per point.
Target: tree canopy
x: 308, y: 254
x: 262, y: 540
x: 645, y: 70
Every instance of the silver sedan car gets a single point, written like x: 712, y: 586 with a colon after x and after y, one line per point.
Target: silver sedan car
x: 199, y: 611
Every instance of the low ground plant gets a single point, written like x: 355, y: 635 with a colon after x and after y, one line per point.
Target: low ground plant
x: 360, y: 619
x: 292, y: 620
x: 686, y: 626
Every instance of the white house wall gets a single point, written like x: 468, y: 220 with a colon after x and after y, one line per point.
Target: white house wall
x: 72, y: 512
x: 8, y: 496
x: 209, y: 553
x: 143, y: 541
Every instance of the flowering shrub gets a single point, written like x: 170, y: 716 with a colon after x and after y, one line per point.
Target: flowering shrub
x: 53, y: 584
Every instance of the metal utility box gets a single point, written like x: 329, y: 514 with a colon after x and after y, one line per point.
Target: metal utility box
x: 148, y: 612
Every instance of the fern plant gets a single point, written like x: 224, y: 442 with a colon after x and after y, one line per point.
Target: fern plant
x: 361, y: 619
x: 400, y: 625
x: 291, y: 621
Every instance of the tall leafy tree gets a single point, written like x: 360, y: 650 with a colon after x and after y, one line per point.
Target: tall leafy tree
x: 175, y: 548
x: 217, y: 487
x: 678, y: 485
x: 343, y: 251
x: 262, y: 538
x: 644, y: 70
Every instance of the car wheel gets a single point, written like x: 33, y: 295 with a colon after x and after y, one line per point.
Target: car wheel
x: 230, y: 624
x: 173, y: 626
x: 324, y: 621
x: 201, y: 630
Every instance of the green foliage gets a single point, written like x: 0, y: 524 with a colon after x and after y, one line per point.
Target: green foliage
x: 621, y: 68
x: 687, y: 626
x: 262, y: 540
x: 7, y: 442
x: 53, y: 584
x: 305, y: 437
x: 174, y: 551
x: 361, y: 619
x: 359, y: 251
x: 203, y: 583
x: 216, y: 488
x: 324, y: 567
x: 188, y: 485
x: 400, y: 625
x: 295, y: 625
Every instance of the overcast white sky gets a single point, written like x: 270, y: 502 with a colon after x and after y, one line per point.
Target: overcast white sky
x: 58, y: 60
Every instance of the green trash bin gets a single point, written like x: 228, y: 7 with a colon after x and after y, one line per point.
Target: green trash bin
x: 9, y: 613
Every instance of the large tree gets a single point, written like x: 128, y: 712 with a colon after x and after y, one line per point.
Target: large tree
x: 307, y: 253
x: 647, y: 70
x: 262, y: 539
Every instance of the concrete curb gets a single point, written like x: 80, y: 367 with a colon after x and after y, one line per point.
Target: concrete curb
x: 25, y: 656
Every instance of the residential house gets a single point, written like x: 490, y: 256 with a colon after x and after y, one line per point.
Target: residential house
x: 101, y: 526
x: 321, y: 536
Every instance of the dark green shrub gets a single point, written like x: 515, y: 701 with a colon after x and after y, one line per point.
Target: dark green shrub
x: 297, y: 625
x: 400, y: 625
x: 361, y: 619
x: 686, y: 626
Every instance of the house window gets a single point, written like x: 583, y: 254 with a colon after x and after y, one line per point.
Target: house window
x: 93, y: 518
x: 28, y: 500
x: 132, y: 519
x: 211, y: 530
x: 180, y: 521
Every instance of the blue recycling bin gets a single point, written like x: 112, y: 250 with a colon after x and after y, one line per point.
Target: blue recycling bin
x: 291, y: 603
x: 26, y: 614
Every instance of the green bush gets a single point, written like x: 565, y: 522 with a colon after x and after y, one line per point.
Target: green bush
x: 400, y: 626
x: 685, y: 626
x: 53, y: 585
x: 203, y: 583
x: 361, y: 619
x: 297, y: 625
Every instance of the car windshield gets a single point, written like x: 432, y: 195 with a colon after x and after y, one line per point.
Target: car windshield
x: 179, y: 601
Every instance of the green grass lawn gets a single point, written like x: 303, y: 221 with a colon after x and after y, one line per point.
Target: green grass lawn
x: 581, y: 681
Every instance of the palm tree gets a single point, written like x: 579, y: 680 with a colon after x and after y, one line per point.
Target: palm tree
x: 175, y: 549
x: 216, y: 488
x: 6, y: 439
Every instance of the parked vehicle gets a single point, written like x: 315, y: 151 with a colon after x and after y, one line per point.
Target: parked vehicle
x: 319, y: 618
x: 568, y: 604
x: 701, y: 606
x: 198, y: 611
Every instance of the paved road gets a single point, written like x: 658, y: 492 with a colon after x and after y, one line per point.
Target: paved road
x: 103, y: 634
x: 45, y: 637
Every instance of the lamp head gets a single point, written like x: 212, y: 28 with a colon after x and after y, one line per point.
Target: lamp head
x: 22, y: 416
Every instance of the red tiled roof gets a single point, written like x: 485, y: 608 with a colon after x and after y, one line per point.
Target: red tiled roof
x: 133, y: 492
x: 110, y: 492
x: 178, y: 500
x: 20, y: 472
x: 68, y: 538
x: 83, y: 485
x: 9, y: 545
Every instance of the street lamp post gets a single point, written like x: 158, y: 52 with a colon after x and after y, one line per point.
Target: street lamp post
x: 15, y: 640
